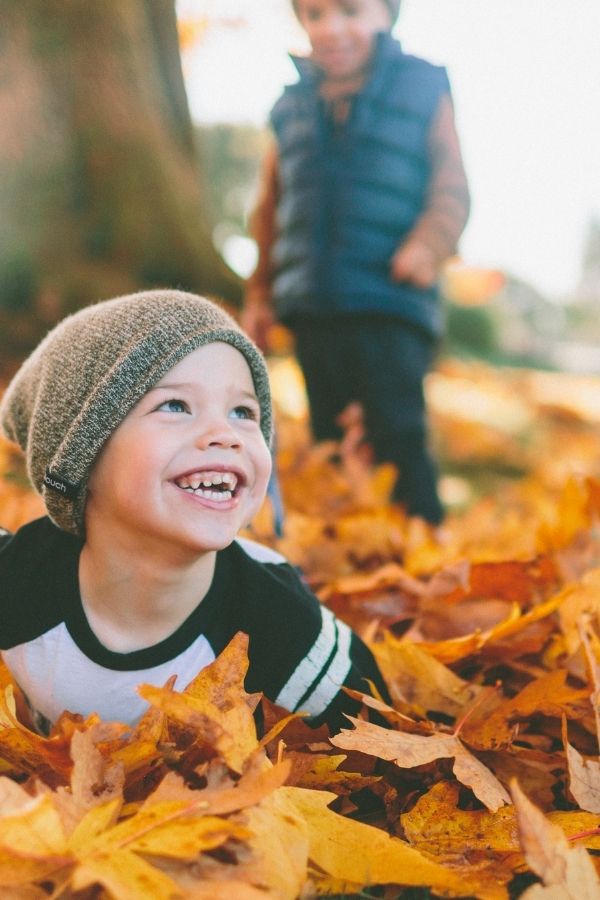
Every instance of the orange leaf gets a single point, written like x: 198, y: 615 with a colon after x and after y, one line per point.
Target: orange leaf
x: 417, y: 680
x: 215, y: 704
x: 27, y: 751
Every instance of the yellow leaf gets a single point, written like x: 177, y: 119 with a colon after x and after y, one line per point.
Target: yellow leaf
x: 18, y: 869
x: 36, y: 829
x: 32, y: 843
x: 125, y: 876
x: 96, y: 821
x: 279, y: 843
x: 360, y: 854
x: 186, y: 838
x: 416, y: 678
x: 437, y: 825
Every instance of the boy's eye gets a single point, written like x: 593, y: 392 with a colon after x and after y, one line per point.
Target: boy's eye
x: 173, y: 406
x: 245, y: 412
x: 312, y: 13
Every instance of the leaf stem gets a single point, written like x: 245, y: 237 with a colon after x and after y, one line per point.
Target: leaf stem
x: 471, y: 709
x: 591, y: 832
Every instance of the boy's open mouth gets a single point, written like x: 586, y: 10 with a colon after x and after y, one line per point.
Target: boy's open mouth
x: 211, y: 485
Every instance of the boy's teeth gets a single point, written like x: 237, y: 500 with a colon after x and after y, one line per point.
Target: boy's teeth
x: 204, y: 481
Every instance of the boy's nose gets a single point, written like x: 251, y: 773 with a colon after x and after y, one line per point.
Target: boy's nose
x: 331, y: 23
x: 328, y: 24
x: 218, y: 433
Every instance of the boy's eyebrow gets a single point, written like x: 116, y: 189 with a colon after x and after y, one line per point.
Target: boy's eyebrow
x: 178, y: 386
x: 169, y: 387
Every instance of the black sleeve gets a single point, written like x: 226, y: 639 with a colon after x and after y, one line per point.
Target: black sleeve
x: 37, y: 563
x: 301, y: 655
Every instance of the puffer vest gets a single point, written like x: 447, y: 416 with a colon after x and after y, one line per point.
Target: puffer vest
x: 349, y: 194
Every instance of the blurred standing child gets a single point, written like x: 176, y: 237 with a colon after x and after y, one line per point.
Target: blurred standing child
x: 362, y: 197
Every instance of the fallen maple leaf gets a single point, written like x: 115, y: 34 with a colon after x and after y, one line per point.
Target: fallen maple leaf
x: 420, y: 683
x: 567, y: 872
x: 28, y: 752
x: 437, y: 825
x: 410, y: 750
x: 458, y: 648
x: 215, y: 704
x: 549, y: 695
x: 584, y: 776
x: 361, y: 855
x: 93, y: 781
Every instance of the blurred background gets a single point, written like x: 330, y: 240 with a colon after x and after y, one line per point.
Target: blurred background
x: 132, y: 133
x: 524, y: 75
x: 131, y: 137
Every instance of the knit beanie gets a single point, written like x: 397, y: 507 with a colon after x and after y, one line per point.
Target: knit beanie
x: 89, y: 371
x: 392, y: 5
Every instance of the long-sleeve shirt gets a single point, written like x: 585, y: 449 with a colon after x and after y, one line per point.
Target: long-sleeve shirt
x: 300, y: 655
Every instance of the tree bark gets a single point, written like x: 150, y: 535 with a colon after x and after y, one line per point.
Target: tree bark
x: 100, y: 192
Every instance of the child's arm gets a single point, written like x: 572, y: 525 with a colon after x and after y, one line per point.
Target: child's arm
x: 258, y: 316
x: 301, y: 655
x: 435, y: 235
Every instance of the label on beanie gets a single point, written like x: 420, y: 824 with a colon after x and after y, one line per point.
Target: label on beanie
x: 61, y: 485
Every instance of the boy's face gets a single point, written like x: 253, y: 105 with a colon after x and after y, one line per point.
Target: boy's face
x: 188, y: 466
x: 342, y: 33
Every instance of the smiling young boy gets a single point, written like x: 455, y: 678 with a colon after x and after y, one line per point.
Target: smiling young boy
x: 145, y: 423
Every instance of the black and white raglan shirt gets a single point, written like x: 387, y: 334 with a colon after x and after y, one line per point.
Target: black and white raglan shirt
x: 300, y: 653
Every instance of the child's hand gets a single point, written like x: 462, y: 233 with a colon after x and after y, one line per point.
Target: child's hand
x: 256, y: 319
x: 416, y: 263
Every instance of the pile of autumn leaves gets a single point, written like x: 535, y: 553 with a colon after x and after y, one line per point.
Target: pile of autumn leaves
x: 487, y: 778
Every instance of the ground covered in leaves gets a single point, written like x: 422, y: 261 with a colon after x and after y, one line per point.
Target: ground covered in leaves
x: 487, y: 781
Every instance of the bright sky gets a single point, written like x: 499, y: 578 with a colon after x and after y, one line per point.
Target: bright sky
x: 526, y: 83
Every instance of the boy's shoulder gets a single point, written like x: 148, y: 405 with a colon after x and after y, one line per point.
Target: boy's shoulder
x: 36, y: 563
x: 266, y: 588
x: 260, y: 553
x: 36, y: 538
x: 266, y: 573
x: 391, y: 58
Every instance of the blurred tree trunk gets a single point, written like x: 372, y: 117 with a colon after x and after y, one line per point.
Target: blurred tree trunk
x: 99, y: 185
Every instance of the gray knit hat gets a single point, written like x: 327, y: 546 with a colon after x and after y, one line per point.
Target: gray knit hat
x: 81, y: 381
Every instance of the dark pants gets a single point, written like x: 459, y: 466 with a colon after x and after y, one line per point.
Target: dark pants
x: 380, y: 362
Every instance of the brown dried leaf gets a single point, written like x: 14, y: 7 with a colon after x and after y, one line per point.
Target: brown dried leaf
x: 259, y: 780
x: 584, y: 777
x: 409, y: 750
x: 93, y: 781
x: 566, y: 872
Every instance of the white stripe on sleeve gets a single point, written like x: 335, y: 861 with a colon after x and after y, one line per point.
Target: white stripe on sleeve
x: 311, y: 666
x: 333, y: 679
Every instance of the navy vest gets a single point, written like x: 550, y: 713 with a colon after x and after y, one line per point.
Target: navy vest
x: 350, y: 193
